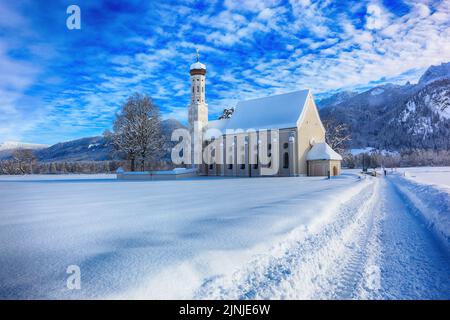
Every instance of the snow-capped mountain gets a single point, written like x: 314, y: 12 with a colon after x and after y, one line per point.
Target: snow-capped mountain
x: 394, y: 117
x: 94, y: 148
x: 85, y: 149
x: 336, y: 98
x: 13, y: 145
x: 434, y: 73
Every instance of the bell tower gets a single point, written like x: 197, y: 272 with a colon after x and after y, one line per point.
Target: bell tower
x: 198, y: 109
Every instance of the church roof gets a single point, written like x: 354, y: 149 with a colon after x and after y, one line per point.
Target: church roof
x: 322, y: 151
x: 198, y: 65
x: 273, y: 112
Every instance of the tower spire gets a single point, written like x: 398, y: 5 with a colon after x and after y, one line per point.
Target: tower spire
x: 198, y: 54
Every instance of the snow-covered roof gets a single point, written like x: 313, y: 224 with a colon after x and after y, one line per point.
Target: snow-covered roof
x: 198, y: 65
x: 273, y: 112
x: 220, y: 125
x: 322, y: 151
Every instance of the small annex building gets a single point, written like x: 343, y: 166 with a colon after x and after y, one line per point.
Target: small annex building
x: 323, y: 161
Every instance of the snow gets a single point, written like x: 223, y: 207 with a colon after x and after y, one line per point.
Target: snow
x: 273, y: 112
x: 358, y: 151
x: 162, y: 172
x: 215, y: 128
x: 10, y: 145
x: 93, y: 145
x: 127, y: 236
x: 376, y: 91
x: 350, y: 237
x: 198, y: 65
x: 428, y: 189
x: 370, y: 150
x: 435, y: 176
x: 322, y: 151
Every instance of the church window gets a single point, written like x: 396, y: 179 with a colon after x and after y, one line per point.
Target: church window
x: 286, y: 160
x: 243, y: 166
x: 230, y: 166
x: 285, y: 145
x: 270, y: 146
x: 198, y: 88
x: 211, y: 166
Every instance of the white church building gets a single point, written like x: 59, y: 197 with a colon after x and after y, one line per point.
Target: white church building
x: 300, y: 145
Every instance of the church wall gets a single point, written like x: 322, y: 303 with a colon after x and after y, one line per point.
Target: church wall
x: 309, y: 128
x: 322, y: 167
x: 283, y: 148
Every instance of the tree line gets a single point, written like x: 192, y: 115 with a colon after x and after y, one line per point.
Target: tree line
x: 139, y: 144
x: 136, y: 137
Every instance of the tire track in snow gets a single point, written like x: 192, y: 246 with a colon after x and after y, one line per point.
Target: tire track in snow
x: 415, y: 263
x: 325, y: 264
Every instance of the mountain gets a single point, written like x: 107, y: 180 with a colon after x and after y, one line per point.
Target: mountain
x: 13, y: 145
x: 395, y: 117
x: 96, y: 148
x: 84, y: 149
x: 434, y: 73
x: 336, y: 99
x: 7, y: 148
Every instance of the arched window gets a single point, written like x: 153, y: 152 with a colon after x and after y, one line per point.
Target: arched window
x: 285, y: 145
x: 198, y: 88
x: 286, y: 160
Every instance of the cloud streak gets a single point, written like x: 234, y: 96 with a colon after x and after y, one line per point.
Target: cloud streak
x: 61, y: 84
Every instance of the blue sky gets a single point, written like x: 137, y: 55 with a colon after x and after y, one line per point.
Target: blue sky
x: 58, y: 84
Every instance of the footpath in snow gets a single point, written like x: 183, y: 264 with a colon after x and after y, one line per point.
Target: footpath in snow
x: 378, y: 246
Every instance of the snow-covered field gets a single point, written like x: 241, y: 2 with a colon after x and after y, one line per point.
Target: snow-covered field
x: 268, y: 238
x: 436, y: 176
x: 428, y: 190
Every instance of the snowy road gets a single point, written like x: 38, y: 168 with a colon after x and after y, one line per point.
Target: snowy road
x: 290, y: 238
x: 378, y: 247
x: 414, y: 263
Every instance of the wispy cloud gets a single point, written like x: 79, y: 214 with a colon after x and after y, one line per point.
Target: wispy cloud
x: 58, y: 84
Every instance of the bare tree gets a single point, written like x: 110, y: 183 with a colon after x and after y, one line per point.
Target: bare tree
x: 337, y: 135
x: 24, y: 159
x: 137, y: 130
x: 227, y: 113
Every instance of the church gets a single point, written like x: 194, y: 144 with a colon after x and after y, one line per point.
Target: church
x: 298, y: 149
